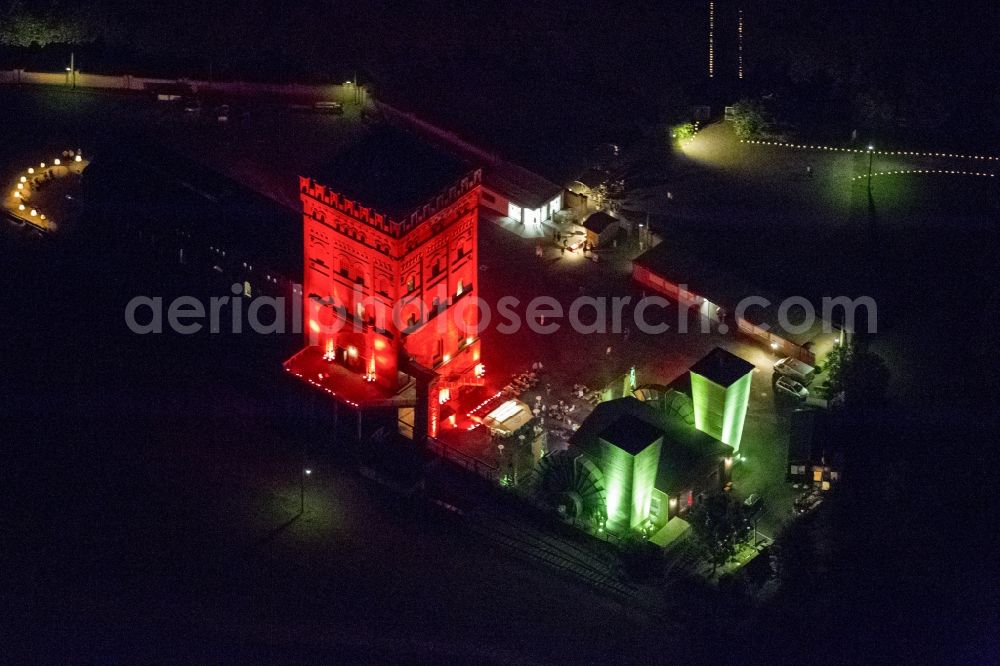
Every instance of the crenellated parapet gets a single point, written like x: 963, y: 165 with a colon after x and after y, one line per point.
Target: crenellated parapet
x: 314, y: 192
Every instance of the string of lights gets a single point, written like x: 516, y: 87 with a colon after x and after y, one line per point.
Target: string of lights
x: 900, y: 153
x: 321, y: 387
x: 20, y: 203
x: 904, y: 172
x: 711, y: 40
x: 739, y: 42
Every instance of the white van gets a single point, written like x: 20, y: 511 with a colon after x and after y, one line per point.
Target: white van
x: 796, y: 369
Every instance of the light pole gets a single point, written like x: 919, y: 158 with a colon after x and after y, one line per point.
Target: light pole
x: 305, y: 471
x: 302, y: 489
x: 871, y: 154
x: 71, y: 71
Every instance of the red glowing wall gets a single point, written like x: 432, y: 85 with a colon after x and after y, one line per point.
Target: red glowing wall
x: 376, y: 288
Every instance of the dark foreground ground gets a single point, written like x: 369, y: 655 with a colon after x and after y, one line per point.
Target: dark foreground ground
x: 152, y: 498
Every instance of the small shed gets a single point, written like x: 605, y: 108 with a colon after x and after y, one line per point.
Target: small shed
x: 601, y: 228
x: 674, y: 529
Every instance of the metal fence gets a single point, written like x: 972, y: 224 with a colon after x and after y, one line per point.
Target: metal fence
x: 480, y: 467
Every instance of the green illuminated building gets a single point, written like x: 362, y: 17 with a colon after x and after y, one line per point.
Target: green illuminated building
x: 653, y: 462
x: 720, y: 391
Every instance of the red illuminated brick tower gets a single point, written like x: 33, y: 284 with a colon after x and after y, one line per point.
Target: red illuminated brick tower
x: 390, y: 232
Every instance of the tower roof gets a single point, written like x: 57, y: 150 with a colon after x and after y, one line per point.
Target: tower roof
x: 630, y: 433
x: 391, y: 171
x: 722, y: 367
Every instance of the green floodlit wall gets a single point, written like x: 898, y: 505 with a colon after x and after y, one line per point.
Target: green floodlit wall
x: 644, y: 478
x: 737, y: 400
x: 721, y: 411
x: 629, y: 480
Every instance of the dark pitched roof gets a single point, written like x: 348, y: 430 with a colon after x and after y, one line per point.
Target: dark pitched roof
x: 687, y: 454
x: 630, y: 433
x: 391, y: 171
x: 705, y: 275
x: 598, y: 222
x: 722, y: 367
x: 163, y: 189
x: 593, y: 177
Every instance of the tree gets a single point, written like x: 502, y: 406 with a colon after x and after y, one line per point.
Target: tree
x: 866, y: 379
x: 748, y: 119
x: 682, y: 131
x: 720, y: 526
x: 857, y: 374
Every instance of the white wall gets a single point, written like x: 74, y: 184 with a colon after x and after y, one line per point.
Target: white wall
x: 499, y: 202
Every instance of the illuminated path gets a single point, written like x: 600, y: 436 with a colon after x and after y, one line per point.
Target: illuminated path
x: 28, y: 198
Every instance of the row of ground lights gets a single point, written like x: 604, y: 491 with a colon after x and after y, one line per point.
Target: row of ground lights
x: 908, y: 153
x: 904, y: 172
x: 321, y: 387
x: 23, y: 189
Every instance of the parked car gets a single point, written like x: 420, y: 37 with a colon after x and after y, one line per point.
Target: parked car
x: 808, y: 502
x: 192, y: 105
x: 818, y: 403
x: 796, y: 369
x: 329, y: 107
x: 791, y: 388
x: 753, y: 503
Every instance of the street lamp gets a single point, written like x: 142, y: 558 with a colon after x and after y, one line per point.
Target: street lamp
x: 302, y: 489
x: 71, y: 71
x: 871, y: 154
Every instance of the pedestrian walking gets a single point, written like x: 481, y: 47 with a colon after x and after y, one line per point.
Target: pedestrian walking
x: 607, y: 352
x: 809, y: 170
